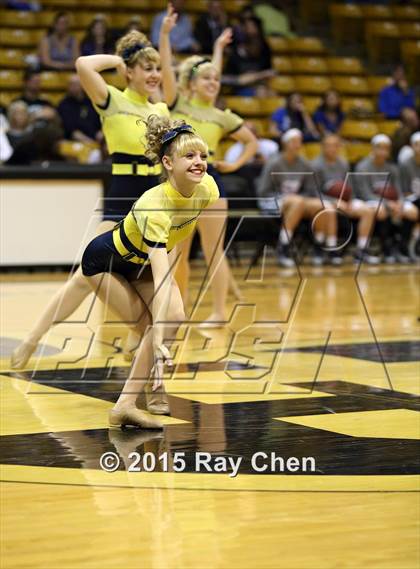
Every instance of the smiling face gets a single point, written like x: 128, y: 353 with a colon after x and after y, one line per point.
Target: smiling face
x: 206, y: 84
x: 144, y: 77
x: 190, y: 167
x: 186, y: 162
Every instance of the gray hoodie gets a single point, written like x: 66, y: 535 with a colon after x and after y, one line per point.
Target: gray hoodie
x: 327, y: 173
x: 375, y: 178
x: 410, y: 177
x: 279, y: 177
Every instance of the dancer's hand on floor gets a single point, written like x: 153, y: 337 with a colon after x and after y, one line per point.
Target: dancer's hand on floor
x: 162, y: 356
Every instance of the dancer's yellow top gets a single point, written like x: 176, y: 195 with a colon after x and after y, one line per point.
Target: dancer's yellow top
x: 124, y: 116
x: 209, y: 122
x: 162, y: 217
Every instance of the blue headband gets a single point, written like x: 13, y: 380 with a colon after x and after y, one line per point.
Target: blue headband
x: 129, y: 51
x: 170, y: 136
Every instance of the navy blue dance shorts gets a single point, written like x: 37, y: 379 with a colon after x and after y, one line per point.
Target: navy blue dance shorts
x: 101, y: 256
x: 211, y: 170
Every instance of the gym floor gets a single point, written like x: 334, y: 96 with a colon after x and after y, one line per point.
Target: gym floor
x: 320, y: 363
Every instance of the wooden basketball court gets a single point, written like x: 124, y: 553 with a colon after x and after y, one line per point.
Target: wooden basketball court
x: 323, y: 364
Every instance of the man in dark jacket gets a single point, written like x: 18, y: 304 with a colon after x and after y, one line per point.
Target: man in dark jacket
x: 80, y: 120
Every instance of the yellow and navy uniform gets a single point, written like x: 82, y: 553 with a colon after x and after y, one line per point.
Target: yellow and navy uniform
x: 124, y: 116
x: 161, y: 217
x: 209, y: 122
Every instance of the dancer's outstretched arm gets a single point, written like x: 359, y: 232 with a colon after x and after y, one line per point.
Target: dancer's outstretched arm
x: 168, y: 74
x: 222, y: 41
x: 162, y: 279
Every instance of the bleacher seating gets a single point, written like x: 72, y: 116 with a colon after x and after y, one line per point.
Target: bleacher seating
x: 13, y: 58
x: 410, y: 54
x: 361, y: 103
x: 355, y: 151
x: 351, y: 85
x: 388, y: 127
x: 283, y: 84
x: 345, y: 66
x: 359, y: 130
x: 10, y: 79
x: 302, y: 64
x: 311, y: 102
x: 346, y: 23
x: 382, y: 41
x: 313, y: 84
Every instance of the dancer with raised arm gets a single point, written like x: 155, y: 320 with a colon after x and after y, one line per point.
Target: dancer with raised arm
x: 193, y: 99
x: 124, y: 115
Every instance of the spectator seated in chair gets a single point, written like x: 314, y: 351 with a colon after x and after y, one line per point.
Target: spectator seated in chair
x: 59, y: 49
x: 329, y: 117
x: 294, y: 115
x: 31, y: 94
x: 334, y: 180
x: 378, y: 184
x: 410, y: 183
x: 396, y: 96
x: 34, y: 138
x: 97, y: 39
x: 249, y: 64
x: 287, y: 187
x: 79, y: 118
x: 410, y: 124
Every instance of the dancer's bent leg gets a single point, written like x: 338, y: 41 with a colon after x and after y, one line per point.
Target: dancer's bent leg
x: 62, y: 305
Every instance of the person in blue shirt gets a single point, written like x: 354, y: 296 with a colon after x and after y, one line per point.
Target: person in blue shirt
x: 294, y: 115
x: 396, y: 96
x: 182, y: 37
x: 328, y: 117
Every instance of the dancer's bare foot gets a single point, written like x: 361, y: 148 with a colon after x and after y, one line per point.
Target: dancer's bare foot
x: 131, y: 416
x: 22, y: 354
